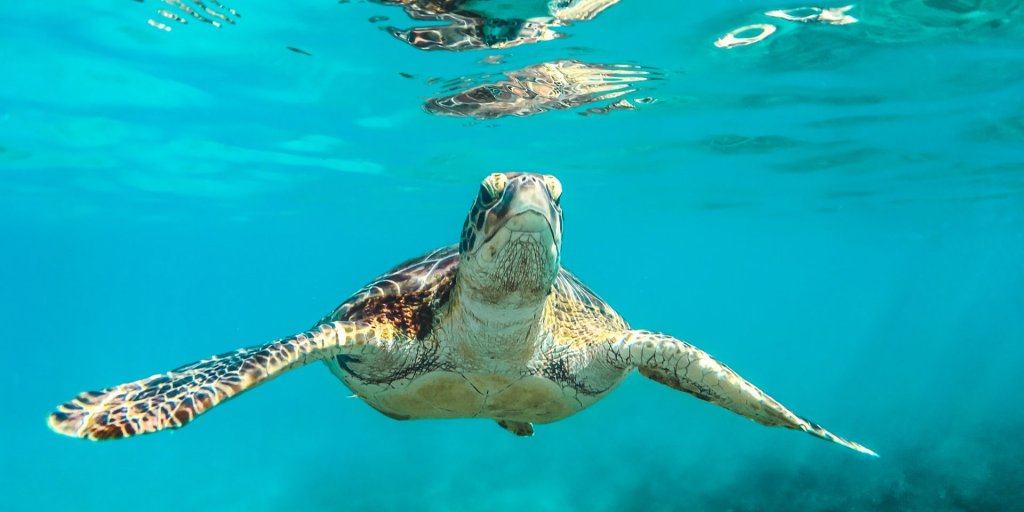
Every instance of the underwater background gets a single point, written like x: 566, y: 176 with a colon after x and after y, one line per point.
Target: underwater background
x: 836, y: 212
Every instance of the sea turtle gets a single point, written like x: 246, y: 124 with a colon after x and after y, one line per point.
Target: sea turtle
x: 493, y: 328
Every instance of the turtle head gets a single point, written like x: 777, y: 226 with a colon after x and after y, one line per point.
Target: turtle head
x: 512, y: 239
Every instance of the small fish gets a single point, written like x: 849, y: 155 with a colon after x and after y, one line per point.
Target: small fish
x: 298, y: 50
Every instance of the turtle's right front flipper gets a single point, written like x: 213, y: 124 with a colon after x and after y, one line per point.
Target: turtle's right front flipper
x: 172, y: 399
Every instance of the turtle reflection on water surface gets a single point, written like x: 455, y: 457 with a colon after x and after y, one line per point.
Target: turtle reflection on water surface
x: 556, y: 85
x: 493, y: 328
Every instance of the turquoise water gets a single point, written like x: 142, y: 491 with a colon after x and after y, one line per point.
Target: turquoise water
x: 837, y: 212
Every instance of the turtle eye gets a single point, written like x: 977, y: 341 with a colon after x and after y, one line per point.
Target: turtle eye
x: 487, y: 197
x: 554, y: 187
x: 491, y: 188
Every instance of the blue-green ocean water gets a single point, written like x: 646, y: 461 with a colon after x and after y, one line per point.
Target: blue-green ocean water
x: 836, y: 212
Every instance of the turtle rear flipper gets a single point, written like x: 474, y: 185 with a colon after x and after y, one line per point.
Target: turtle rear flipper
x: 519, y: 428
x: 171, y: 400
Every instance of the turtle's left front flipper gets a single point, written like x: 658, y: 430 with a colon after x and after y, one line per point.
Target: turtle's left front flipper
x: 172, y: 399
x: 682, y: 366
